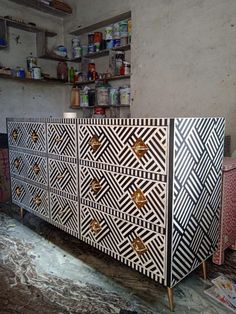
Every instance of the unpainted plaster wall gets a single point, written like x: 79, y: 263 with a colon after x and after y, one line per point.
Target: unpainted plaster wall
x: 30, y: 100
x: 183, y: 55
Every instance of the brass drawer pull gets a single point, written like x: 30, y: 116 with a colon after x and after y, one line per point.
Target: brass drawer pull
x: 139, y: 148
x: 95, y: 143
x: 14, y: 134
x: 95, y: 226
x: 60, y: 176
x: 37, y: 200
x: 95, y: 186
x: 58, y: 139
x: 36, y: 168
x: 18, y: 191
x: 139, y: 198
x: 34, y: 136
x: 17, y: 163
x: 138, y: 246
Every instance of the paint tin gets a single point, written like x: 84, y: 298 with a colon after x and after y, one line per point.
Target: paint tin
x: 97, y: 37
x: 109, y: 44
x: 36, y: 73
x: 108, y: 32
x: 91, y: 48
x: 125, y: 95
x: 116, y: 30
x: 116, y: 42
x: 114, y: 96
x: 124, y: 29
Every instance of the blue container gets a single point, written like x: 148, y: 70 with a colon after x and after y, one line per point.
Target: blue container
x: 109, y: 44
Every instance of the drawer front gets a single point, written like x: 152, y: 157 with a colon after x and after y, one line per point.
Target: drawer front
x: 28, y: 166
x: 144, y: 199
x: 143, y: 148
x: 29, y: 135
x: 63, y: 176
x: 30, y: 196
x: 62, y: 139
x: 17, y: 163
x: 64, y: 212
x: 138, y: 246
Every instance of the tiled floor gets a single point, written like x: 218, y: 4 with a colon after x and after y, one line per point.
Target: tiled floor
x: 44, y: 270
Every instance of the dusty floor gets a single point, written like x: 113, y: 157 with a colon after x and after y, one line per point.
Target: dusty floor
x: 44, y: 270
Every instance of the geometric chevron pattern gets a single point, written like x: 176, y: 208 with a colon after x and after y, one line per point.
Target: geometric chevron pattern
x: 64, y: 212
x: 116, y: 146
x: 198, y: 155
x: 63, y: 176
x: 117, y: 190
x: 116, y: 235
x: 62, y: 139
x: 25, y: 131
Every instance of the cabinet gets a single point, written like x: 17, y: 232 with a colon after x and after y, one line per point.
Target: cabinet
x: 144, y: 191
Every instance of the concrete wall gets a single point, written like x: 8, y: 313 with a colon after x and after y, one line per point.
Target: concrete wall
x: 183, y: 55
x: 30, y: 99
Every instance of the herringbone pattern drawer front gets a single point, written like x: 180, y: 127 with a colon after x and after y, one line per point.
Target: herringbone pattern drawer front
x: 143, y: 148
x: 144, y: 199
x: 28, y: 135
x: 62, y: 139
x: 63, y: 176
x: 140, y: 247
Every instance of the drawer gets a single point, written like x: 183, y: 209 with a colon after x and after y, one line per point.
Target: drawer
x: 139, y: 247
x: 144, y: 199
x: 63, y: 176
x: 143, y: 148
x: 62, y: 139
x: 30, y: 196
x: 29, y: 135
x: 64, y: 212
x: 28, y: 166
x: 17, y: 163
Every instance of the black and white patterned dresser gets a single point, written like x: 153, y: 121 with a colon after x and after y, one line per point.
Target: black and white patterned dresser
x: 145, y: 191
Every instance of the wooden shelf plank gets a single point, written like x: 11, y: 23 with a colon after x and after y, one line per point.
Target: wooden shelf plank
x: 95, y: 26
x: 113, y: 78
x: 27, y: 27
x: 35, y: 4
x: 105, y: 52
x: 92, y: 107
x: 55, y: 58
x: 29, y: 80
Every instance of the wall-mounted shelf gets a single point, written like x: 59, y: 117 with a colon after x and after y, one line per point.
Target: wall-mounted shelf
x: 36, y: 4
x: 29, y: 80
x: 90, y: 28
x: 55, y: 58
x: 27, y: 27
x: 92, y: 107
x: 112, y: 78
x: 105, y: 52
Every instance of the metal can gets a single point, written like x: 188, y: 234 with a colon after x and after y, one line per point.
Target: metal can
x: 116, y: 42
x: 108, y: 32
x: 116, y: 30
x: 114, y: 96
x: 126, y: 68
x: 125, y: 95
x: 109, y: 44
x: 91, y: 48
x: 124, y: 29
x: 36, y: 73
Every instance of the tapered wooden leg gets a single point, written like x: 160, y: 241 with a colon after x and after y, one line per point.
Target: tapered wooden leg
x: 21, y: 214
x: 204, y: 270
x: 170, y: 298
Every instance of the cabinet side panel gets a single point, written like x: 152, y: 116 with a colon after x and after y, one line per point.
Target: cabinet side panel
x: 198, y: 156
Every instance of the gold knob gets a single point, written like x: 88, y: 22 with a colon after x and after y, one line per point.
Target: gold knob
x: 95, y: 143
x: 139, y: 198
x: 37, y: 200
x: 14, y: 134
x: 139, y: 148
x: 138, y: 246
x: 60, y: 176
x: 58, y: 139
x: 95, y: 186
x: 36, y: 168
x: 95, y: 226
x: 17, y: 163
x: 18, y: 191
x: 34, y: 136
